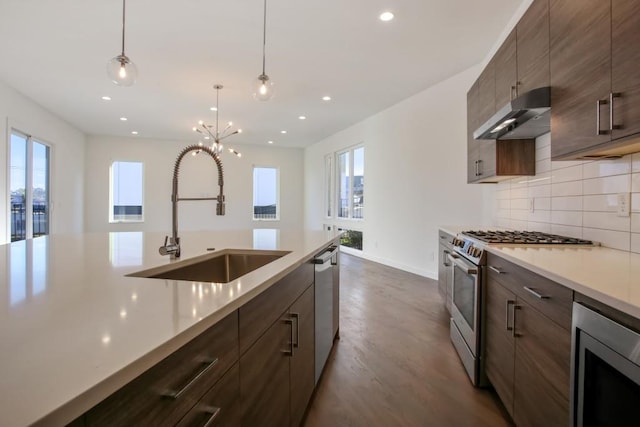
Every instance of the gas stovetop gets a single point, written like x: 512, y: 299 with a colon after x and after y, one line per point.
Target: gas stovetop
x: 524, y: 237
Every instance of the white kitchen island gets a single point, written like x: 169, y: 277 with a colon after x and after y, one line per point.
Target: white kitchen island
x: 74, y: 328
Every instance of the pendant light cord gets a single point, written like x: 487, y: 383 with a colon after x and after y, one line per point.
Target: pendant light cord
x: 217, y: 108
x: 123, y: 15
x: 264, y: 35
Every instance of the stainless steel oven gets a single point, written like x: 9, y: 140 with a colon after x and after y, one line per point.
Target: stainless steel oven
x: 466, y: 307
x: 605, y: 374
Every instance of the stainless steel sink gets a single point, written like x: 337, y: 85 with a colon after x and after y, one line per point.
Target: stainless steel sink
x: 219, y: 268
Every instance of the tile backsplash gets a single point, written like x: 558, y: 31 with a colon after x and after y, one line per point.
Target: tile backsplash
x: 574, y: 198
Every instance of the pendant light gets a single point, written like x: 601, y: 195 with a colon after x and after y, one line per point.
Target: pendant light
x: 264, y: 85
x: 120, y: 69
x: 209, y: 133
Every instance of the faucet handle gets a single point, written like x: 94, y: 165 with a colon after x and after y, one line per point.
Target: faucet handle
x: 166, y: 239
x: 172, y: 249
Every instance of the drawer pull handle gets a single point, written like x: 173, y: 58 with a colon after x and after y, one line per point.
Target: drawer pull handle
x: 297, y: 317
x: 515, y: 334
x: 214, y: 411
x: 535, y: 293
x: 495, y: 269
x: 207, y: 364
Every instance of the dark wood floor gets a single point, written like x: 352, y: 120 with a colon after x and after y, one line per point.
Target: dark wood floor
x: 394, y: 364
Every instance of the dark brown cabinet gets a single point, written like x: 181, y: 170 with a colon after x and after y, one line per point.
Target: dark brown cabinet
x: 302, y: 372
x: 595, y: 93
x: 533, y: 48
x: 445, y: 246
x: 506, y: 71
x: 277, y: 371
x: 165, y: 393
x: 528, y: 343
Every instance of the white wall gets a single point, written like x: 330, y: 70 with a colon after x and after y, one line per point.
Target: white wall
x: 67, y: 160
x: 573, y: 198
x: 198, y: 178
x: 415, y: 175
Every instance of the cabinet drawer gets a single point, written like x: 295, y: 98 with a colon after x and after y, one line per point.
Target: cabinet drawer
x: 445, y: 239
x: 550, y: 298
x: 166, y: 392
x: 220, y: 406
x: 260, y: 313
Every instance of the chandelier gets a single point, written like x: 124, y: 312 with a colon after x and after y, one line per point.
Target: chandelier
x: 214, y: 134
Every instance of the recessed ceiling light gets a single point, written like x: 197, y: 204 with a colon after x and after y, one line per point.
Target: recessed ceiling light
x: 213, y: 109
x: 270, y: 142
x: 302, y: 117
x: 326, y: 98
x: 134, y: 132
x: 283, y: 131
x: 106, y: 98
x: 386, y: 16
x: 124, y: 119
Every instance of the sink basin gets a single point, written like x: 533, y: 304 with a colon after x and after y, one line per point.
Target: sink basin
x: 219, y: 268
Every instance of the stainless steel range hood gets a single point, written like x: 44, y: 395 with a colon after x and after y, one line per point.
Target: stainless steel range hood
x: 527, y: 116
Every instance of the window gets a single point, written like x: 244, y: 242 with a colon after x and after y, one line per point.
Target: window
x: 328, y: 183
x: 351, y: 183
x: 126, y: 192
x: 351, y: 239
x: 265, y: 193
x: 29, y: 187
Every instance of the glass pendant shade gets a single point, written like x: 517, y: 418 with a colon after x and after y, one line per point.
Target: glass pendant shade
x: 122, y: 71
x: 263, y: 88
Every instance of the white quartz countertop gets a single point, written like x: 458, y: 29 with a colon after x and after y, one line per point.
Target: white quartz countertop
x: 607, y: 275
x: 74, y: 328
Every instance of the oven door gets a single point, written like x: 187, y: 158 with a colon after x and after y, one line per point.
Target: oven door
x: 465, y: 306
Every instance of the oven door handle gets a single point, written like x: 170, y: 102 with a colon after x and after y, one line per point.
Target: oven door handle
x: 462, y: 265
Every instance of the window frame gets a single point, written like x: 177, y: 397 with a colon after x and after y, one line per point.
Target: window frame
x: 329, y: 185
x: 350, y: 207
x: 30, y: 140
x: 111, y: 218
x: 253, y: 193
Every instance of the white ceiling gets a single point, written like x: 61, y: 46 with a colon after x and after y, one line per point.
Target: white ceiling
x: 55, y: 52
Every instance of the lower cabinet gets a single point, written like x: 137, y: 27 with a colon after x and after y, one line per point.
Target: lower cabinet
x: 277, y: 372
x: 528, y: 352
x: 253, y: 368
x: 445, y: 274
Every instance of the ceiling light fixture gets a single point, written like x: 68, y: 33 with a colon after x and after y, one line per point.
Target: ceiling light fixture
x: 386, y: 16
x: 106, y: 98
x: 270, y: 142
x: 120, y: 69
x: 124, y: 119
x: 134, y: 132
x: 216, y: 135
x: 302, y: 117
x: 264, y: 89
x: 326, y: 98
x: 283, y: 131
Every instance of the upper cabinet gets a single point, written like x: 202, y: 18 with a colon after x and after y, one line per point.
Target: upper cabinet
x: 506, y: 71
x: 533, y: 48
x: 594, y: 62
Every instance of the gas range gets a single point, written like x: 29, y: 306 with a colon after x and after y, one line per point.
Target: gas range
x: 471, y: 244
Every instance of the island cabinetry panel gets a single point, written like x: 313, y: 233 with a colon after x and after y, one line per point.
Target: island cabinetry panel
x: 220, y: 406
x: 528, y: 343
x: 595, y: 94
x: 277, y: 371
x: 257, y: 315
x: 166, y: 392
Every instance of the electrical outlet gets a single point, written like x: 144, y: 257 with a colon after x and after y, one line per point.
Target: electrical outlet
x: 624, y: 200
x: 532, y: 204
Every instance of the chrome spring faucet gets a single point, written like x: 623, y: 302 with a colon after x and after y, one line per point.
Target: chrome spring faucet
x: 172, y: 246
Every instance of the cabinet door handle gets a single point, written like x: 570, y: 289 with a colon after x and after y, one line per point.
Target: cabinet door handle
x: 495, y: 269
x: 214, y: 411
x: 479, y: 167
x: 612, y: 96
x: 445, y: 258
x: 207, y: 364
x: 509, y: 302
x: 290, y: 350
x: 514, y: 334
x: 514, y: 92
x: 600, y: 103
x: 476, y: 168
x: 297, y: 317
x: 536, y: 293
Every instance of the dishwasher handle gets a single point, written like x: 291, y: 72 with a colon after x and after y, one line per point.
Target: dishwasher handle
x: 325, y: 256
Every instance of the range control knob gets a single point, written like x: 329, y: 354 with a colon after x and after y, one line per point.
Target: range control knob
x: 457, y: 242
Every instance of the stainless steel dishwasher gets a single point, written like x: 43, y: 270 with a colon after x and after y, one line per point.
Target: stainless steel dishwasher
x: 326, y: 307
